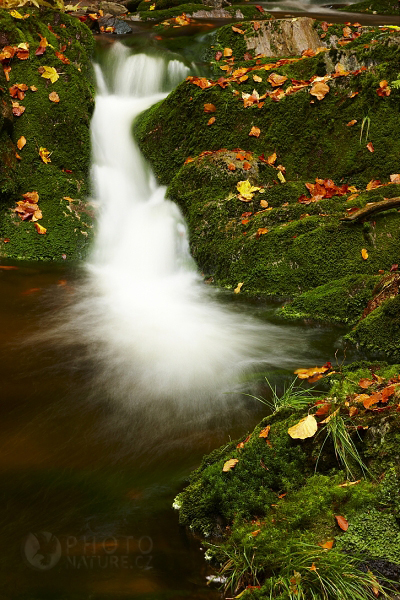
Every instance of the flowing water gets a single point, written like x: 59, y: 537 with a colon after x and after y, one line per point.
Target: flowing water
x: 133, y: 369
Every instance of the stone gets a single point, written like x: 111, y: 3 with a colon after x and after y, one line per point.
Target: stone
x: 120, y: 27
x: 284, y: 37
x: 113, y: 8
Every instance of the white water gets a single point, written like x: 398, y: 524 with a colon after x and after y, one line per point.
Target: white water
x: 143, y: 316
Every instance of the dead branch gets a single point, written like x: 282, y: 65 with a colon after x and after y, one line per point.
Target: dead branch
x: 372, y: 208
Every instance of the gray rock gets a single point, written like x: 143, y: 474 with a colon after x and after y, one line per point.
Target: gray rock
x: 284, y: 37
x: 216, y: 13
x: 120, y: 27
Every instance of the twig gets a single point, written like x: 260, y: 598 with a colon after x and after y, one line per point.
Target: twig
x: 373, y: 207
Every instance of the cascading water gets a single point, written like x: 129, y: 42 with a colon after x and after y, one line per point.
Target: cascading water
x: 143, y: 316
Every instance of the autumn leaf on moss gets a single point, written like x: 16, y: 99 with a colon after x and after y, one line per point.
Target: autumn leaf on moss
x: 44, y: 155
x: 306, y: 373
x: 49, y: 73
x: 246, y: 190
x: 264, y: 433
x: 238, y: 288
x: 327, y: 545
x: 16, y: 14
x: 342, y: 522
x: 40, y: 229
x: 364, y: 253
x: 208, y: 108
x: 21, y: 142
x: 351, y: 123
x: 230, y: 464
x: 62, y: 57
x: 305, y: 428
x: 17, y: 109
x: 237, y: 30
x: 319, y: 90
x: 227, y: 52
x: 54, y: 97
x: 276, y: 80
x: 255, y: 132
x: 211, y: 121
x: 370, y: 147
x: 41, y: 49
x: 23, y: 51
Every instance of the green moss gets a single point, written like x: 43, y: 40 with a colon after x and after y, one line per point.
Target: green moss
x: 62, y: 128
x: 381, y: 7
x: 379, y: 332
x: 339, y: 301
x: 168, y: 13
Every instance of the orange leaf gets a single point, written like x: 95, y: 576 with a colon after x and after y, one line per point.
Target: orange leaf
x: 265, y: 432
x: 323, y: 409
x: 54, y: 97
x: 263, y: 204
x: 342, y: 522
x: 374, y: 399
x: 271, y: 159
x: 208, y: 108
x: 21, y: 142
x: 7, y: 72
x: 353, y: 410
x: 246, y: 166
x: 256, y: 532
x: 232, y: 167
x: 319, y: 90
x: 255, y: 132
x: 364, y: 253
x: 347, y: 32
x: 370, y: 147
x: 227, y: 51
x: 261, y: 231
x: 40, y: 229
x: 351, y: 123
x: 276, y: 80
x: 63, y: 58
x: 327, y: 545
x: 387, y: 392
x: 365, y: 383
x: 211, y: 121
x: 33, y: 88
x: 237, y: 30
x: 230, y: 464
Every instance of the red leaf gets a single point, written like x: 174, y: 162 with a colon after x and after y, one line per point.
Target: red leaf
x: 342, y: 522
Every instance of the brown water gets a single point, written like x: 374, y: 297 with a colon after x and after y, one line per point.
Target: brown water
x: 74, y: 465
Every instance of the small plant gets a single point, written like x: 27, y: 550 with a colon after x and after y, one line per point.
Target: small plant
x: 366, y: 123
x: 293, y: 396
x: 396, y: 83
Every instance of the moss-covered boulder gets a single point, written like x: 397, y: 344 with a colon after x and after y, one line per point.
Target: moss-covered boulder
x: 287, y: 503
x: 55, y: 116
x: 380, y: 7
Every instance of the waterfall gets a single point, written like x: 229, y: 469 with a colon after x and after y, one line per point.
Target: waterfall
x: 146, y: 321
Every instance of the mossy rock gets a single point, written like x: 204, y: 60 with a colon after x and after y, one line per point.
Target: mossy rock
x: 379, y: 332
x: 60, y: 127
x: 281, y: 497
x: 380, y: 7
x: 340, y: 301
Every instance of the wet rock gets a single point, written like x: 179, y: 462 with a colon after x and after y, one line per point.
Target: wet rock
x: 216, y: 13
x: 216, y: 3
x: 284, y: 37
x: 113, y: 8
x: 120, y: 27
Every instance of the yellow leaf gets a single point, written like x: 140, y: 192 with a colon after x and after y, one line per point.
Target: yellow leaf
x: 50, y: 73
x: 319, y: 90
x: 227, y: 51
x: 230, y: 464
x: 255, y: 131
x: 265, y: 432
x: 305, y: 428
x: 41, y: 230
x: 257, y: 78
x: 16, y: 14
x: 246, y: 190
x: 44, y: 155
x: 364, y: 253
x: 281, y: 177
x: 152, y: 7
x: 238, y: 287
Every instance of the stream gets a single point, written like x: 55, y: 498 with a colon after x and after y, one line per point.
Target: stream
x: 120, y: 375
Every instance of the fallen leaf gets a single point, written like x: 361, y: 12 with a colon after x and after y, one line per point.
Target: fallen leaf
x: 230, y: 464
x: 305, y: 428
x: 364, y: 253
x: 353, y: 410
x: 265, y: 432
x: 306, y: 373
x: 227, y: 51
x: 370, y: 147
x: 54, y: 97
x: 393, y: 268
x: 349, y: 483
x: 240, y: 445
x: 371, y: 400
x: 16, y: 14
x: 246, y: 190
x: 238, y: 288
x: 211, y: 121
x: 331, y: 416
x: 208, y: 108
x: 365, y: 383
x: 271, y: 159
x: 263, y: 204
x: 49, y: 73
x: 17, y: 109
x: 347, y: 32
x: 281, y: 177
x: 388, y: 392
x: 319, y: 90
x: 323, y: 409
x: 188, y: 160
x: 218, y: 55
x: 44, y: 155
x: 255, y: 132
x: 41, y: 230
x: 231, y: 166
x: 276, y: 80
x: 257, y: 78
x: 7, y: 71
x: 237, y: 30
x: 395, y: 178
x: 342, y: 522
x: 41, y: 49
x: 373, y: 184
x: 256, y: 532
x: 351, y: 123
x: 327, y: 545
x: 33, y: 88
x: 21, y: 142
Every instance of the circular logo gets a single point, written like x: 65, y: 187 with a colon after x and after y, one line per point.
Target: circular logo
x: 41, y: 550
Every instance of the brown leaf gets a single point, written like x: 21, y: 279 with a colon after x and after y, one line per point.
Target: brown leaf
x: 353, y: 410
x: 349, y: 483
x: 255, y: 533
x: 232, y: 167
x: 17, y: 109
x: 342, y: 522
x: 388, y: 392
x: 42, y: 46
x: 373, y: 184
x: 54, y: 97
x: 255, y: 132
x: 370, y: 147
x: 351, y: 123
x: 347, y: 32
x: 271, y: 159
x: 230, y: 464
x: 323, y: 409
x: 373, y: 399
x: 218, y: 55
x: 306, y: 373
x: 209, y: 108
